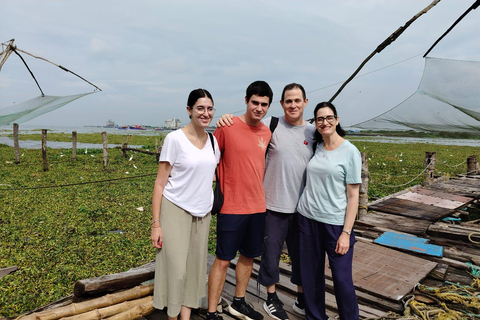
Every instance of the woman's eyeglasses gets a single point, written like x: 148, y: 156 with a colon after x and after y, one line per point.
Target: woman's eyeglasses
x: 330, y: 119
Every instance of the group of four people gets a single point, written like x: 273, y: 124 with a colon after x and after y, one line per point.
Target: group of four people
x: 303, y: 190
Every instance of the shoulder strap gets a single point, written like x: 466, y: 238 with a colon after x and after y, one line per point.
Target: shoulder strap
x: 273, y: 123
x: 211, y: 141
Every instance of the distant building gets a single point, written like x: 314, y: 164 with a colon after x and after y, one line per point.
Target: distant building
x: 173, y: 123
x: 110, y: 123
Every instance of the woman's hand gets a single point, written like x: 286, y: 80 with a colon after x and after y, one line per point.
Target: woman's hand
x: 343, y: 244
x: 156, y: 237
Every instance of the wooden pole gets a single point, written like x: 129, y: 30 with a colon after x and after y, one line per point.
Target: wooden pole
x: 363, y: 201
x: 15, y: 143
x: 430, y: 160
x: 74, y: 145
x: 472, y: 165
x: 44, y: 149
x: 105, y: 147
x: 85, y: 306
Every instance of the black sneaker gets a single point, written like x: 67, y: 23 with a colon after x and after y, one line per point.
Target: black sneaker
x: 213, y: 316
x: 299, y: 307
x: 245, y: 311
x: 274, y: 308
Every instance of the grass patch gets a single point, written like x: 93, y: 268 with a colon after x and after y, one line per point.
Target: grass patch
x: 58, y: 235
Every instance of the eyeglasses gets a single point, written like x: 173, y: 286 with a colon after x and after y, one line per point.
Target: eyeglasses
x: 330, y: 119
x: 201, y: 109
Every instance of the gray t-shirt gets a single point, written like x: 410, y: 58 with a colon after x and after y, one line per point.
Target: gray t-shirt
x: 286, y: 162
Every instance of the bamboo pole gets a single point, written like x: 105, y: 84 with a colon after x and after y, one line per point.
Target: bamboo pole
x: 105, y: 149
x: 74, y: 145
x: 44, y: 149
x: 109, y: 311
x: 472, y: 165
x: 85, y: 306
x: 15, y: 143
x: 384, y: 44
x: 430, y: 160
x: 136, y: 312
x: 363, y: 200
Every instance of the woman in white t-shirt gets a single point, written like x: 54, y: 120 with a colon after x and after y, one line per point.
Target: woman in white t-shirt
x: 182, y: 200
x: 328, y: 207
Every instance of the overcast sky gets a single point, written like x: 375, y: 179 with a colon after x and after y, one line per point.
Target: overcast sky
x: 147, y: 56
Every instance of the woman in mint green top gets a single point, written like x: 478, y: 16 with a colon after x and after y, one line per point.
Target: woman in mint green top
x: 328, y: 207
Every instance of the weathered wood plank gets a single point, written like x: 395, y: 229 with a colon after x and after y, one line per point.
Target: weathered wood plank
x: 429, y: 200
x: 114, y: 282
x: 443, y: 195
x: 453, y: 231
x: 396, y: 223
x: 412, y: 209
x: 387, y: 273
x: 5, y: 271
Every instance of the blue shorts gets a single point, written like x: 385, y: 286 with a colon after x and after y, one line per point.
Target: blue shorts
x: 240, y: 232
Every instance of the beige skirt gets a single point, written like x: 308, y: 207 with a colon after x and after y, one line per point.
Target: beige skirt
x: 181, y: 264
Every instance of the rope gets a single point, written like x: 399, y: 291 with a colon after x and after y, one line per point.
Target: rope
x: 453, y: 166
x: 401, y: 185
x: 79, y: 183
x: 470, y: 237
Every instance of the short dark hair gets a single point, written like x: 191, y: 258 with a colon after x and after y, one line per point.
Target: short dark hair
x: 197, y: 94
x: 292, y: 86
x: 261, y: 89
x: 317, y: 136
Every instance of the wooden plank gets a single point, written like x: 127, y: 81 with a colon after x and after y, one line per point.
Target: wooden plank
x: 456, y: 232
x: 429, y: 200
x: 397, y: 223
x: 409, y: 242
x: 443, y: 195
x: 285, y: 287
x: 409, y: 208
x: 5, y: 271
x: 385, y: 272
x: 116, y: 281
x: 455, y: 188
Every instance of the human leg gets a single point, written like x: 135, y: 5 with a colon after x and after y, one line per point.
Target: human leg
x: 292, y: 240
x: 250, y: 247
x: 185, y: 313
x: 341, y: 266
x: 171, y: 260
x: 312, y: 267
x: 195, y: 284
x: 276, y: 229
x: 216, y: 281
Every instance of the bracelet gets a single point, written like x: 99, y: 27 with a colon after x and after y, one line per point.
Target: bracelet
x: 156, y: 227
x: 156, y: 221
x: 347, y: 231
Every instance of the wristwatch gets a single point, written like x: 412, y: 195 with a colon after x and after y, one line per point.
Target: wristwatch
x: 347, y: 231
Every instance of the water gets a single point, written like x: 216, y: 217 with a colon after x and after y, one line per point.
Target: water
x: 441, y: 141
x: 26, y: 129
x: 37, y: 144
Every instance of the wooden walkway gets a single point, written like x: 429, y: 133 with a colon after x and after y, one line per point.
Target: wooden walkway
x: 383, y: 274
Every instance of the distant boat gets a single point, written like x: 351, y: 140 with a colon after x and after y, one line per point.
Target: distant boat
x: 137, y: 127
x: 122, y: 127
x: 158, y: 129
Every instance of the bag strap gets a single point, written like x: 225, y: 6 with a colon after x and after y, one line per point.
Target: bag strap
x: 211, y: 141
x: 213, y: 147
x: 273, y: 125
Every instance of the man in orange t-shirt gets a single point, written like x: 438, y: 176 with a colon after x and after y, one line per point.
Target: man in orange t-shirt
x: 241, y: 222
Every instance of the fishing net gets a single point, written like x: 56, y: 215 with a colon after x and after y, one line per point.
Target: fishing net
x: 447, y: 100
x: 27, y: 110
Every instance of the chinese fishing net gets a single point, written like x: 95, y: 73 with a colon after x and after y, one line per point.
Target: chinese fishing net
x: 447, y: 99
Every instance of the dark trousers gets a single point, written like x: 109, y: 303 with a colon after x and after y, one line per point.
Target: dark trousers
x: 279, y: 227
x: 316, y: 239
